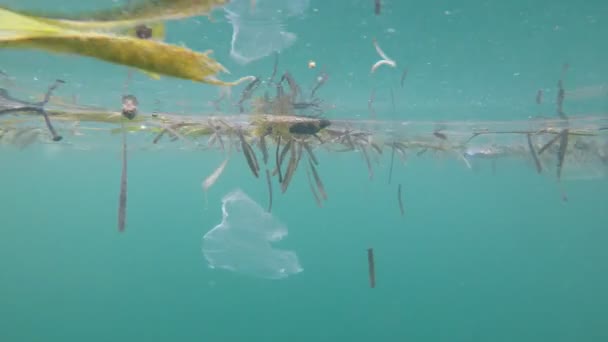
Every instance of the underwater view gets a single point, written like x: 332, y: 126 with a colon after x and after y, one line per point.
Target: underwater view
x: 303, y: 170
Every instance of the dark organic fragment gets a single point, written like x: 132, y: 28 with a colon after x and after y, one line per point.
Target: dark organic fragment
x: 371, y: 267
x: 309, y: 127
x: 10, y: 105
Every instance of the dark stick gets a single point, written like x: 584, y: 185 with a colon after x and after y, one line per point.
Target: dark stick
x: 371, y: 267
x: 47, y: 97
x: 370, y: 104
x: 561, y: 153
x: 264, y: 149
x: 49, y: 126
x: 129, y: 110
x: 311, y: 186
x: 318, y: 181
x: 440, y: 135
x: 274, y: 69
x: 16, y: 105
x: 561, y: 93
x: 403, y: 76
x: 49, y: 92
x: 278, y: 160
x: 539, y: 96
x: 476, y: 134
x: 269, y: 190
x: 390, y: 171
x: 393, y: 100
x: 377, y: 7
x: 539, y: 167
x: 248, y: 91
x: 400, y: 199
x: 122, y: 199
x: 284, y: 152
x: 549, y: 144
x: 311, y: 154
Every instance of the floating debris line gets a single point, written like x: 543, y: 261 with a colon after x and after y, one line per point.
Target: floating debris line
x: 588, y: 145
x: 277, y: 131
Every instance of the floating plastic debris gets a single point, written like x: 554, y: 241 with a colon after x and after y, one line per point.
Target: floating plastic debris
x: 259, y: 31
x: 242, y: 242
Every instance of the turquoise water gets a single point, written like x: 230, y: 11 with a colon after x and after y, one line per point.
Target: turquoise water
x: 487, y: 254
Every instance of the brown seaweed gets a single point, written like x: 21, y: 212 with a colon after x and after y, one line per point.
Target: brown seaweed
x: 252, y: 161
x: 264, y: 149
x: 278, y: 160
x: 284, y: 151
x: 539, y: 167
x: 318, y: 181
x: 312, y: 188
x: 375, y: 147
x: 269, y: 184
x: 310, y: 152
x: 274, y: 69
x: 390, y: 170
x: 296, y: 153
x: 561, y: 153
x: 171, y: 129
x: 160, y: 135
x: 561, y: 94
x: 293, y: 86
x: 548, y: 144
x: 248, y: 91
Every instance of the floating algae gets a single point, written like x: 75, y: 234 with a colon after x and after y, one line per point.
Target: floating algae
x: 133, y: 14
x: 274, y: 120
x: 18, y: 31
x: 242, y: 242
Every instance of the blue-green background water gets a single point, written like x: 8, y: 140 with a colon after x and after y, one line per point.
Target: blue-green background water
x: 479, y: 256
